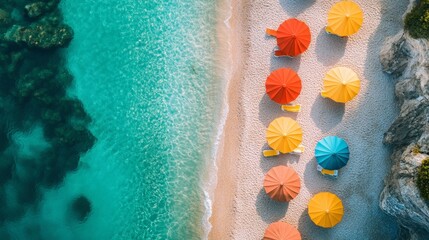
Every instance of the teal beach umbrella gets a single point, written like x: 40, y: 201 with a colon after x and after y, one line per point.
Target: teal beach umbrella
x: 332, y: 153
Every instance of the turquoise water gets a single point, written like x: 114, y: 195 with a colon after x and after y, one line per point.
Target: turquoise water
x: 145, y: 73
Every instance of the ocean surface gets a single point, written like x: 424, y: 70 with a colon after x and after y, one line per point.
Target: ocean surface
x: 145, y: 72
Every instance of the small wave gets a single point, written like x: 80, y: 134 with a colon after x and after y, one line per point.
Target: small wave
x: 225, y: 61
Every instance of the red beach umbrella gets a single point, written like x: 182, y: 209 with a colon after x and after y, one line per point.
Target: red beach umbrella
x: 283, y: 85
x: 293, y: 37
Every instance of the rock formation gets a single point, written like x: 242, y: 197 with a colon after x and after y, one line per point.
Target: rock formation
x: 38, y: 35
x: 35, y: 104
x: 407, y: 60
x: 81, y: 208
x: 37, y: 9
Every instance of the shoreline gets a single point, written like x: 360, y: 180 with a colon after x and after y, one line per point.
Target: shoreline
x: 225, y: 185
x: 361, y: 122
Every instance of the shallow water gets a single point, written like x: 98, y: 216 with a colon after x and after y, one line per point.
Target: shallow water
x: 144, y: 71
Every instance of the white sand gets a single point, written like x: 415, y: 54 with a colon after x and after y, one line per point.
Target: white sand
x: 241, y: 208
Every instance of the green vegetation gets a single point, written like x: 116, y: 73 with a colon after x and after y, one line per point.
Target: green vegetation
x: 417, y: 21
x: 423, y: 179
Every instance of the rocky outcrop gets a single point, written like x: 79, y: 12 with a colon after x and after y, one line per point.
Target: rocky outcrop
x: 44, y: 36
x: 407, y: 60
x: 4, y: 17
x: 81, y: 208
x: 37, y: 9
x: 401, y: 198
x: 35, y: 104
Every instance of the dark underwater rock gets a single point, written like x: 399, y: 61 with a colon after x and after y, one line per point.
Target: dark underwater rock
x: 34, y: 82
x: 81, y: 208
x: 41, y: 36
x: 4, y: 18
x: 6, y: 169
x: 47, y: 86
x: 37, y: 9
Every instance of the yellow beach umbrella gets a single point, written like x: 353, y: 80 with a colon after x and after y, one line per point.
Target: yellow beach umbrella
x: 344, y: 19
x: 284, y: 134
x: 341, y: 84
x: 325, y: 209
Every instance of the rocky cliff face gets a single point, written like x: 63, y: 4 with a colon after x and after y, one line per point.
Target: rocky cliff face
x: 407, y: 59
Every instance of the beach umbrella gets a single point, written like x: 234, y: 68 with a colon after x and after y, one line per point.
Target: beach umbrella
x: 282, y: 183
x: 341, y: 84
x: 281, y: 231
x: 284, y: 134
x: 332, y: 153
x: 283, y: 85
x: 325, y: 209
x: 293, y: 37
x: 344, y: 19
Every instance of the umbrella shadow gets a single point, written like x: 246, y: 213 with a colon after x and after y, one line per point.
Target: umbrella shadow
x: 268, y: 37
x: 326, y: 113
x: 270, y: 110
x: 270, y: 210
x: 329, y: 48
x: 285, y: 62
x: 266, y: 163
x: 295, y: 7
x: 308, y: 229
x: 314, y: 181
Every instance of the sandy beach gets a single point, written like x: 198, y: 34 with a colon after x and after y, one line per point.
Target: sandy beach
x: 241, y: 208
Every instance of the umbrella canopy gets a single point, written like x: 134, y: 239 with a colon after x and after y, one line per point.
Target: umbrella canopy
x: 293, y: 37
x: 325, y: 209
x: 284, y: 134
x: 332, y: 153
x: 281, y: 231
x: 283, y: 85
x: 282, y: 183
x: 344, y: 19
x: 341, y: 84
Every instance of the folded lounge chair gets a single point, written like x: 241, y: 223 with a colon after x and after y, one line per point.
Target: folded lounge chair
x: 278, y: 53
x: 328, y: 30
x: 331, y: 173
x: 271, y: 32
x: 323, y: 94
x: 300, y: 149
x: 273, y: 153
x: 291, y: 108
x: 270, y: 153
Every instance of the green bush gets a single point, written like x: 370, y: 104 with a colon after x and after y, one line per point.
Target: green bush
x: 417, y: 21
x: 423, y: 179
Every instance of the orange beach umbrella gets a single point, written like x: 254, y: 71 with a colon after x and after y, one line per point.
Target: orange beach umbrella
x: 282, y: 183
x: 283, y: 85
x: 325, y: 209
x: 293, y: 37
x: 281, y: 231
